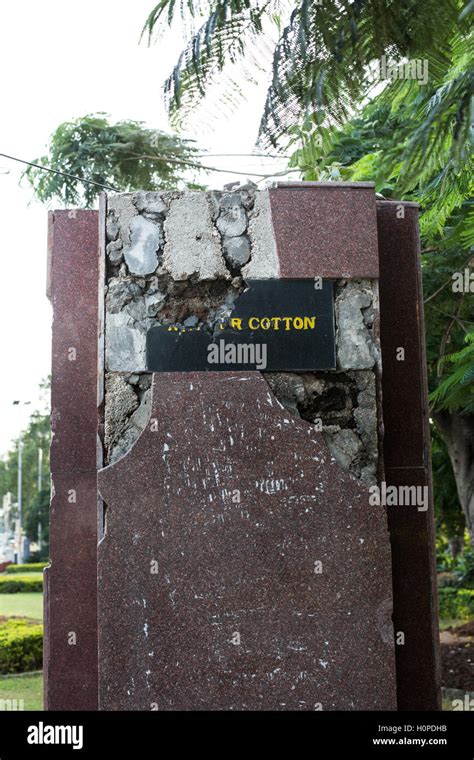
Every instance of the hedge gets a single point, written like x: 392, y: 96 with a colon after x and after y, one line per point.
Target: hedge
x: 456, y: 603
x: 21, y: 646
x: 13, y: 584
x: 34, y: 567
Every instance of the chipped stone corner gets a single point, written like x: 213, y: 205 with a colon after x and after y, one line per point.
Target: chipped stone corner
x: 344, y: 404
x: 127, y: 411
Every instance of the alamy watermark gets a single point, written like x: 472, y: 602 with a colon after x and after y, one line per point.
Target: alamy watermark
x: 42, y: 733
x: 399, y: 496
x: 416, y: 69
x: 238, y: 353
x: 463, y: 282
x: 12, y: 704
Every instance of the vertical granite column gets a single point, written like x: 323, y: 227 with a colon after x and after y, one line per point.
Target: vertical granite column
x: 407, y: 456
x: 70, y: 604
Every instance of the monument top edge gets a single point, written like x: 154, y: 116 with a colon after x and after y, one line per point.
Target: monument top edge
x: 331, y: 185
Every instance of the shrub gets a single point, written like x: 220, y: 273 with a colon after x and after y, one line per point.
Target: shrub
x: 13, y: 584
x: 456, y: 603
x: 464, y: 569
x: 21, y: 646
x: 32, y: 567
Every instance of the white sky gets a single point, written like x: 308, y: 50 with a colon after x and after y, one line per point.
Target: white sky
x: 61, y: 60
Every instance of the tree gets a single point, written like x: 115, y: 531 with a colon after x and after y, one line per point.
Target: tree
x: 414, y: 143
x: 454, y: 400
x: 35, y: 503
x: 125, y: 156
x: 38, y: 514
x: 324, y: 55
x: 450, y: 522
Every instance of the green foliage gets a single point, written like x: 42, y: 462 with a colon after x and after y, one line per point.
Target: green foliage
x: 31, y: 567
x: 460, y: 569
x: 38, y: 512
x: 413, y: 143
x: 14, y: 584
x: 325, y: 53
x: 125, y: 156
x: 21, y: 646
x: 464, y: 569
x: 456, y: 603
x: 456, y: 391
x: 35, y: 505
x: 36, y: 436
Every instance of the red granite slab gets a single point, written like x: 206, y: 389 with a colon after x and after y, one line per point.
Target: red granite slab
x: 407, y: 455
x: 401, y: 313
x: 325, y: 229
x: 74, y: 297
x: 235, y: 616
x: 70, y: 669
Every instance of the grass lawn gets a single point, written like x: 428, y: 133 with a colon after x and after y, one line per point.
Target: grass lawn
x: 29, y: 688
x: 22, y: 605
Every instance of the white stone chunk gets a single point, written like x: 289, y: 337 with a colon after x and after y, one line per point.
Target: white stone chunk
x: 145, y: 240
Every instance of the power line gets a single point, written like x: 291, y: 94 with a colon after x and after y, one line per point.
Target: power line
x: 243, y: 155
x: 203, y: 167
x: 167, y: 159
x: 63, y: 174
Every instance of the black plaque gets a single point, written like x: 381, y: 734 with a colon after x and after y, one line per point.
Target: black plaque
x: 275, y: 325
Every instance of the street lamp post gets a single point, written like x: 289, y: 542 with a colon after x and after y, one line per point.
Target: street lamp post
x: 40, y: 473
x: 40, y: 468
x: 20, y: 484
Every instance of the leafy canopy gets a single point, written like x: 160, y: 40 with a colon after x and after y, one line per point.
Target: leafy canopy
x: 324, y: 54
x: 124, y: 156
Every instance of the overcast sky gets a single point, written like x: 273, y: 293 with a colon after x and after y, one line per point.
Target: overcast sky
x: 61, y: 60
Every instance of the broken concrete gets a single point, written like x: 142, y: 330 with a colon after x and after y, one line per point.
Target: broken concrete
x: 121, y: 292
x: 192, y: 247
x: 264, y: 262
x: 125, y: 342
x: 181, y: 259
x: 355, y: 345
x: 121, y: 402
x: 115, y: 252
x: 120, y: 211
x: 343, y: 407
x: 127, y: 411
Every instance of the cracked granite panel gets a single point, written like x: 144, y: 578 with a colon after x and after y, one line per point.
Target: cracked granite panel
x: 181, y: 259
x: 233, y: 575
